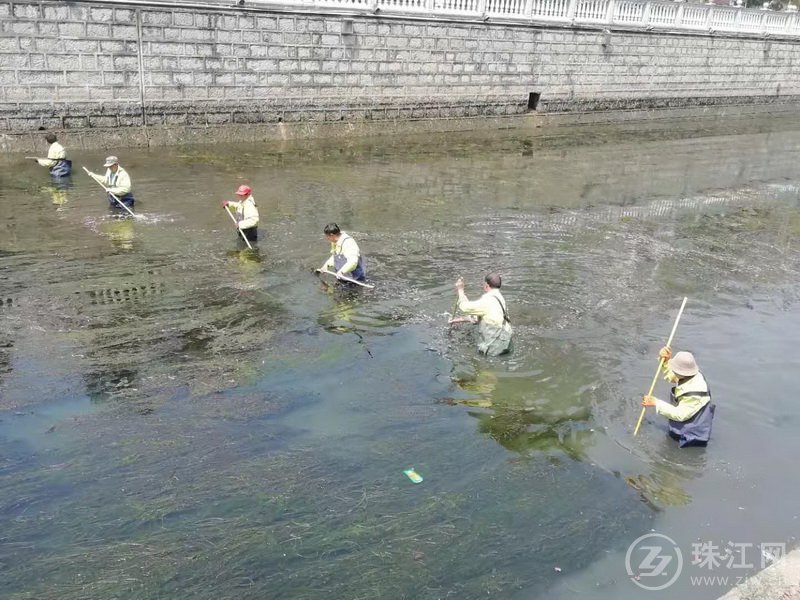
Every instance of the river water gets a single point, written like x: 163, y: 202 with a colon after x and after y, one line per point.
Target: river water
x: 180, y: 418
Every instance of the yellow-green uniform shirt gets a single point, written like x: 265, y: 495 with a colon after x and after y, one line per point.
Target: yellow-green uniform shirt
x: 246, y: 212
x: 118, y: 183
x: 688, y: 405
x: 55, y: 153
x: 494, y: 332
x: 488, y: 307
x: 347, y: 247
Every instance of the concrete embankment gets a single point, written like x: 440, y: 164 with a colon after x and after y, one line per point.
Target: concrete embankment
x: 150, y: 73
x: 780, y: 581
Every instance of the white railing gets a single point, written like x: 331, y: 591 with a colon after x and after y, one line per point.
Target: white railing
x: 642, y: 14
x: 542, y: 10
x: 697, y: 17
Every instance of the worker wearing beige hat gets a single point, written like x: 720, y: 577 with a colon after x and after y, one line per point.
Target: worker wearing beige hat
x: 117, y: 183
x: 690, y: 411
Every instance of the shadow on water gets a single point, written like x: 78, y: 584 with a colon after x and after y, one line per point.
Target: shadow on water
x: 546, y: 411
x: 183, y: 417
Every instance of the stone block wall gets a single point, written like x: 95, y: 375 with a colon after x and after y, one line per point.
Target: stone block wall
x: 85, y: 65
x: 580, y: 70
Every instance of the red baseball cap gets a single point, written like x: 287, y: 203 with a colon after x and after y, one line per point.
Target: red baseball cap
x: 244, y: 190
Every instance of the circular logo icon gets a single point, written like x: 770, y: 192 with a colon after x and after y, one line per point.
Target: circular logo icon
x: 653, y: 561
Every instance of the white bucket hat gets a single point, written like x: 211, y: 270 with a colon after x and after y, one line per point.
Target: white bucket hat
x: 111, y: 160
x: 683, y: 364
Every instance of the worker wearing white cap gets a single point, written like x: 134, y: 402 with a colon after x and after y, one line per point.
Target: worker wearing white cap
x: 117, y: 182
x: 690, y: 411
x: 245, y: 212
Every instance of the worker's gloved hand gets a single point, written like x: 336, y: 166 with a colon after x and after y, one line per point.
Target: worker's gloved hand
x: 665, y: 353
x: 648, y: 401
x: 225, y: 204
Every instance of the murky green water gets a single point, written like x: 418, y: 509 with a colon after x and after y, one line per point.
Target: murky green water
x: 182, y: 419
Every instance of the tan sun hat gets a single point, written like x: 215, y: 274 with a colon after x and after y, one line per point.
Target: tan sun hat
x: 111, y: 160
x: 683, y: 364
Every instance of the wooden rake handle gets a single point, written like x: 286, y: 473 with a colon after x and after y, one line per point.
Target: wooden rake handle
x: 660, y: 364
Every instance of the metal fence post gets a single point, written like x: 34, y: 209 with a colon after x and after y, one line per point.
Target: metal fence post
x: 572, y: 9
x: 610, y: 12
x: 646, y: 14
x: 788, y: 22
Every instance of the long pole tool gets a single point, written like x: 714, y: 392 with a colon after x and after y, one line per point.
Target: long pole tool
x: 346, y: 278
x: 89, y: 173
x: 244, y: 237
x: 660, y: 364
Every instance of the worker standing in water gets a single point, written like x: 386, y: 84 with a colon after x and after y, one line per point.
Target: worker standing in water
x: 345, y: 259
x: 117, y: 183
x: 690, y: 411
x: 56, y: 159
x: 490, y: 313
x: 245, y: 212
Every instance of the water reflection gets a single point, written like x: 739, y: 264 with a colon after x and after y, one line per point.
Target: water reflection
x: 343, y: 314
x: 546, y: 411
x: 121, y: 232
x: 247, y: 267
x: 247, y: 258
x: 664, y: 485
x: 58, y: 190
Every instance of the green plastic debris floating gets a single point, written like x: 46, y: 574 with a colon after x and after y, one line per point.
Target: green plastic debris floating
x: 413, y: 475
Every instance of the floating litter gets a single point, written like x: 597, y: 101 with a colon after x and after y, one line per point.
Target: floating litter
x: 413, y: 475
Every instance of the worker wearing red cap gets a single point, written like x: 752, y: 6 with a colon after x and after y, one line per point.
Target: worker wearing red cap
x: 245, y: 212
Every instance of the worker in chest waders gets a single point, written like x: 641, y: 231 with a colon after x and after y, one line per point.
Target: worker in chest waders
x: 245, y: 212
x: 490, y: 313
x: 690, y: 410
x: 345, y: 258
x: 56, y: 159
x: 117, y: 183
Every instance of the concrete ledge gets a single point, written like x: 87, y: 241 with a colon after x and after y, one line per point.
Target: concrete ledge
x: 780, y: 581
x: 173, y: 135
x: 188, y: 133
x: 713, y: 112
